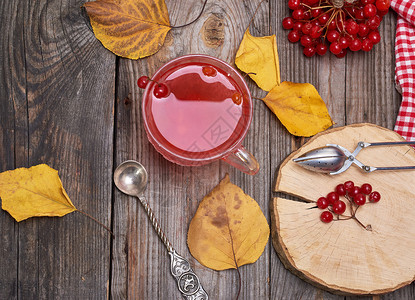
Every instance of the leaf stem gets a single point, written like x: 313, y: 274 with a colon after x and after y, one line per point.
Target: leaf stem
x: 201, y: 12
x: 92, y: 218
x: 253, y: 16
x: 239, y: 282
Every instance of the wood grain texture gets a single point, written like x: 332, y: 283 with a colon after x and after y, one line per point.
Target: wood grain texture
x: 68, y: 102
x: 57, y: 100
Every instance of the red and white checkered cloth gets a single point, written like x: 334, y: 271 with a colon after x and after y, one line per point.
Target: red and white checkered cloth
x: 405, y: 66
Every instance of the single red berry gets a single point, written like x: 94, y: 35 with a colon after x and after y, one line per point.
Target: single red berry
x: 143, y: 81
x: 309, y: 51
x: 355, y: 45
x: 344, y: 42
x: 298, y: 14
x: 359, y: 199
x: 332, y: 197
x: 306, y: 41
x: 363, y: 29
x: 354, y: 191
x: 350, y: 10
x: 352, y: 27
x: 307, y: 15
x: 315, y: 31
x: 359, y: 14
x: 374, y: 37
x: 294, y: 4
x: 339, y: 207
x: 335, y: 48
x: 366, y: 188
x: 367, y: 45
x: 381, y: 13
x: 298, y: 26
x: 326, y: 217
x: 342, y: 53
x: 160, y: 90
x: 383, y: 5
x: 340, y: 190
x: 374, y: 197
x: 369, y: 10
x: 323, y: 19
x: 374, y: 22
x: 288, y: 23
x: 365, y: 2
x: 237, y: 98
x: 209, y: 71
x: 349, y: 185
x: 306, y: 28
x: 333, y: 36
x: 316, y: 12
x: 322, y: 203
x: 294, y: 36
x: 315, y: 22
x: 321, y: 49
x: 332, y: 25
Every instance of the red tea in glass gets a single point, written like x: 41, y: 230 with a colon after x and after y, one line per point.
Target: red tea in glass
x: 203, y: 116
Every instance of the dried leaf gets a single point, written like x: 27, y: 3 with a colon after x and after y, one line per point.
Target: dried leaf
x: 228, y: 230
x: 299, y: 107
x: 130, y: 28
x: 34, y: 192
x: 258, y: 57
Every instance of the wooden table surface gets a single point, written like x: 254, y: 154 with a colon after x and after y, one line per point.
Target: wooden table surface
x: 68, y: 102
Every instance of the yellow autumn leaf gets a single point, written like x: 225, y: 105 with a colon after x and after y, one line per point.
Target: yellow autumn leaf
x: 228, y: 230
x: 129, y: 28
x: 299, y: 107
x: 34, y: 192
x: 258, y: 57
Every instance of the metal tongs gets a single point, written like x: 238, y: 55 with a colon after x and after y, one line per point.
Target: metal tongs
x: 335, y: 159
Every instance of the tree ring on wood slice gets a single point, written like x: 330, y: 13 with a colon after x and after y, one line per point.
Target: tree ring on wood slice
x: 341, y: 256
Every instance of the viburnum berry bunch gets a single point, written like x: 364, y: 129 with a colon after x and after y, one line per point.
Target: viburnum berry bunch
x: 335, y: 25
x: 355, y: 196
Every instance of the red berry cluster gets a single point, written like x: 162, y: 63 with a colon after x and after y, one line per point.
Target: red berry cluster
x: 320, y: 25
x: 160, y: 90
x: 355, y: 195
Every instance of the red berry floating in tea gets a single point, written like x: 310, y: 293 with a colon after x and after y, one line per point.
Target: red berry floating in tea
x: 335, y: 25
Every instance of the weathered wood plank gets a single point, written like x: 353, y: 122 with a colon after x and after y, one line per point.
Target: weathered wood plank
x: 327, y: 75
x: 60, y: 93
x: 13, y: 133
x: 175, y: 191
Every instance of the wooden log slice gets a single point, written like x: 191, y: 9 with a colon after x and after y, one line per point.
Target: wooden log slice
x: 342, y: 256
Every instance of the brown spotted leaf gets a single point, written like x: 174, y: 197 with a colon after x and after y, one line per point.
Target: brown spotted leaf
x: 228, y: 230
x: 129, y: 28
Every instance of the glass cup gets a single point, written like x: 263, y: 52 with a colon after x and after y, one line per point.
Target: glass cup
x: 197, y: 109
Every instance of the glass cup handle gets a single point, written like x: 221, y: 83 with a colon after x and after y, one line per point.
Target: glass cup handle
x: 243, y: 160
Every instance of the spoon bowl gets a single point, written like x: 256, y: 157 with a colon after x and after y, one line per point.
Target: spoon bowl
x: 131, y: 178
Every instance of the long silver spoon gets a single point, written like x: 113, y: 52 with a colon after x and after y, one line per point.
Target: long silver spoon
x: 131, y: 178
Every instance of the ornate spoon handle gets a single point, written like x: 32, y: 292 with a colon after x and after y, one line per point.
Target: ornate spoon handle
x: 187, y: 281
